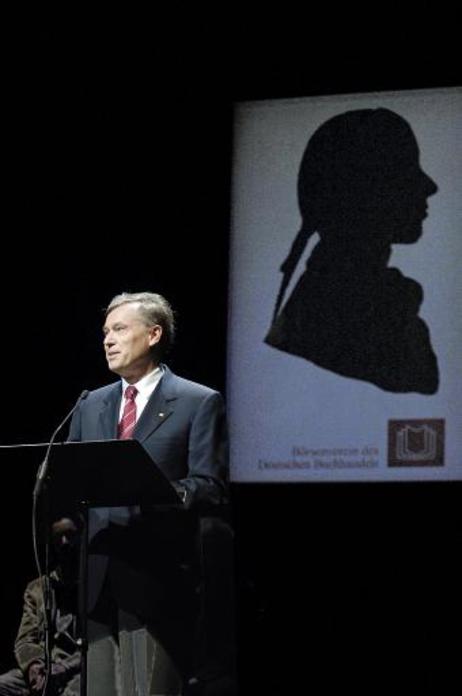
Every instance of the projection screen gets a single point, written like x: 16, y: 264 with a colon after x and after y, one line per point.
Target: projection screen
x: 346, y: 365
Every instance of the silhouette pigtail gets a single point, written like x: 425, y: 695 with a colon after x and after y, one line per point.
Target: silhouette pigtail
x: 290, y: 263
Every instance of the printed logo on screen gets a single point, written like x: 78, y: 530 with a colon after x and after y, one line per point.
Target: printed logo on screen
x: 417, y: 442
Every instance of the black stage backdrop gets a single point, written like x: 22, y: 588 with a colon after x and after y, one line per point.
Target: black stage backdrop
x: 117, y: 178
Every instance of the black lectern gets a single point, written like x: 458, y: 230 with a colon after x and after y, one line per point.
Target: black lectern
x: 110, y: 473
x: 84, y: 475
x: 107, y: 473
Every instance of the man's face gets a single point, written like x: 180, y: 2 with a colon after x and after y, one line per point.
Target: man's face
x: 65, y: 538
x: 64, y: 533
x: 128, y: 342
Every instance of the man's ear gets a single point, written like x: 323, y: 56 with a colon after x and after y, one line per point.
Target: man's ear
x: 155, y: 334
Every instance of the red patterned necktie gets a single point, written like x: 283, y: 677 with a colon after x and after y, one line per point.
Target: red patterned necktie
x: 128, y: 421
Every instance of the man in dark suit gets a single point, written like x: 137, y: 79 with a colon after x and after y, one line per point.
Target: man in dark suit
x: 141, y: 585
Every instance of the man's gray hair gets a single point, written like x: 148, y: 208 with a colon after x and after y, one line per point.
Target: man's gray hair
x: 153, y: 309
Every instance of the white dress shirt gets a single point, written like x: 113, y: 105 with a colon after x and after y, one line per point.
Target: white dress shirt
x: 145, y: 388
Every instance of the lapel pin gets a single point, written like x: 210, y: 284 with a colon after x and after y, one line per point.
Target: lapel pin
x: 161, y: 414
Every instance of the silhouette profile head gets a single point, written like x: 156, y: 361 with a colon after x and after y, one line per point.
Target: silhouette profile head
x: 362, y: 189
x: 360, y: 180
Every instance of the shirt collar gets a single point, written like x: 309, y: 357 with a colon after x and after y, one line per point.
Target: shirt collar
x: 146, y: 384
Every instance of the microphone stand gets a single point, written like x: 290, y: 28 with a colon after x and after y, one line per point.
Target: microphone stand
x: 44, y: 576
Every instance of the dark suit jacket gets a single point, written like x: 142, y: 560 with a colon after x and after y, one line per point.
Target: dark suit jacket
x: 183, y: 429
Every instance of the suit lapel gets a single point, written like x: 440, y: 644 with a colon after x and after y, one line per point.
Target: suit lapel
x: 109, y: 414
x: 160, y: 406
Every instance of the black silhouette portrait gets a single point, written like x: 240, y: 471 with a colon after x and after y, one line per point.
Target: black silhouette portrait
x: 361, y: 188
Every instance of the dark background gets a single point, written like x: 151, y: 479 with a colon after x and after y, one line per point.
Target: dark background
x: 118, y: 151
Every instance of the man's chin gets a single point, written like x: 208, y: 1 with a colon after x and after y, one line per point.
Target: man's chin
x: 410, y: 235
x: 115, y: 367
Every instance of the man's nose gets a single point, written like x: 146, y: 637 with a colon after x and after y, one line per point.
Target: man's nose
x: 430, y: 186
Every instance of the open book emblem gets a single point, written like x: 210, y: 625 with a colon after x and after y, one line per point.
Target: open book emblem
x: 416, y: 442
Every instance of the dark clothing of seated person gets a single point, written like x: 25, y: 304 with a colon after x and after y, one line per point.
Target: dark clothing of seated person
x: 29, y: 676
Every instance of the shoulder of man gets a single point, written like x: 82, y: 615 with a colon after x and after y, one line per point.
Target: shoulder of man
x: 34, y: 587
x: 180, y: 385
x: 33, y: 594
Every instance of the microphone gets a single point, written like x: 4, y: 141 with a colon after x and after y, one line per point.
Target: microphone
x: 45, y: 577
x: 42, y: 472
